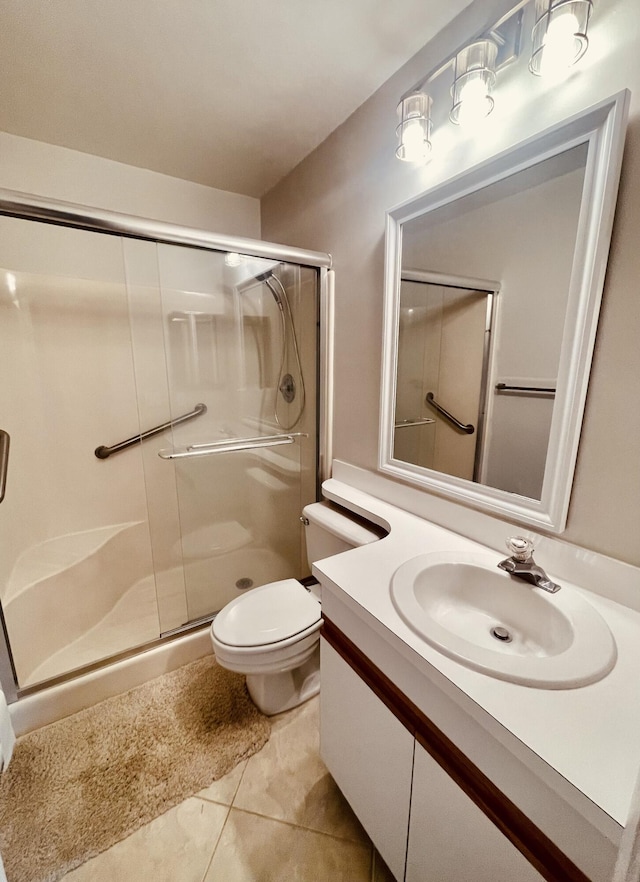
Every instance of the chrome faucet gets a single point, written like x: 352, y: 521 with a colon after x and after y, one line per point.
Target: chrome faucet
x: 522, y: 565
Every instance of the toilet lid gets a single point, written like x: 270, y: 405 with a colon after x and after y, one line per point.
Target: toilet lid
x: 267, y: 614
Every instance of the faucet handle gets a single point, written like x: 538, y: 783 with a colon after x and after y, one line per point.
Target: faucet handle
x: 520, y: 547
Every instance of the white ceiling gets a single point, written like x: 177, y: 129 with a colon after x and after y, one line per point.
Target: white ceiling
x: 228, y: 93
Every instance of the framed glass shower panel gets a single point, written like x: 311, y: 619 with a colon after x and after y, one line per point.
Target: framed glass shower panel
x: 240, y: 338
x: 76, y: 578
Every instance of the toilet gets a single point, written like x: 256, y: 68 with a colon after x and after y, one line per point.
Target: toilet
x: 272, y: 633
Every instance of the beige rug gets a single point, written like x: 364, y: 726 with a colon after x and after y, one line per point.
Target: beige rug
x: 76, y: 787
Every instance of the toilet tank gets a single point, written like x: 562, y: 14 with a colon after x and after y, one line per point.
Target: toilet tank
x: 330, y: 530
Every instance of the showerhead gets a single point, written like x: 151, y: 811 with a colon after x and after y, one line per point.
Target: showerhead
x: 269, y: 279
x: 269, y: 273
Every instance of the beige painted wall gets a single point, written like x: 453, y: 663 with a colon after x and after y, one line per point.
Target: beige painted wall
x: 336, y: 200
x: 59, y: 173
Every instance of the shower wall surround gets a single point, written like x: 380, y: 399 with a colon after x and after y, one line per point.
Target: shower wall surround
x: 104, y: 338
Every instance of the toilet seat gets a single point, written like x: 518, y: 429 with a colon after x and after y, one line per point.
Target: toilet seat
x: 277, y: 613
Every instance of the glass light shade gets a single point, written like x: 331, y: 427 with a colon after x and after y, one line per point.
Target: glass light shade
x: 559, y: 35
x: 474, y: 79
x: 414, y: 129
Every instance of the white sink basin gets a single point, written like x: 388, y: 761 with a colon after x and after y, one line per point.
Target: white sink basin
x: 455, y: 600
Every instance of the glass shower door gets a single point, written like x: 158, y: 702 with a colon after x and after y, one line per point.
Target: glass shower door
x: 101, y: 340
x: 240, y: 338
x: 76, y: 576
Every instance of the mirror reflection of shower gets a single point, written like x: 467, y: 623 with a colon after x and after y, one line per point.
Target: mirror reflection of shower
x: 285, y: 384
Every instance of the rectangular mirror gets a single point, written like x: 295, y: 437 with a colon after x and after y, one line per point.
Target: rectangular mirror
x: 492, y: 293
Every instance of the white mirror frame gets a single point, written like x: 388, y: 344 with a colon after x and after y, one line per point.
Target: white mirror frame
x: 602, y: 127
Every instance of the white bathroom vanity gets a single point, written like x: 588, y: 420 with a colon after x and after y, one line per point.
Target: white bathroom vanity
x: 457, y: 774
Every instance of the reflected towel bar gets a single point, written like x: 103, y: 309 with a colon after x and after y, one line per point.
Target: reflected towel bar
x: 104, y: 452
x: 505, y: 387
x: 4, y: 461
x: 230, y: 445
x: 468, y: 429
x: 403, y: 424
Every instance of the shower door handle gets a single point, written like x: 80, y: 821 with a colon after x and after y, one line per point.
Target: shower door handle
x: 230, y: 445
x: 4, y: 461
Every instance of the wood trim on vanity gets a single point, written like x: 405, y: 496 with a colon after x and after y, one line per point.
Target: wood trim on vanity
x: 535, y: 845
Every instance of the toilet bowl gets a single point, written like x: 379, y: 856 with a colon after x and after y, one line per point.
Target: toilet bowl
x: 272, y: 633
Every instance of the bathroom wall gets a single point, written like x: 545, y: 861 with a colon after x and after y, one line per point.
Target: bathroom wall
x: 59, y: 173
x: 336, y: 199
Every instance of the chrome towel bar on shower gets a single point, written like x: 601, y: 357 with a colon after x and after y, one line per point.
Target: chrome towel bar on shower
x: 4, y: 461
x: 404, y: 424
x: 468, y: 429
x: 104, y: 452
x: 230, y: 445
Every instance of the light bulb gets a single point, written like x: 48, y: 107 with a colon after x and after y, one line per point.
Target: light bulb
x: 475, y: 102
x: 416, y: 146
x: 561, y: 47
x: 474, y: 78
x: 415, y: 127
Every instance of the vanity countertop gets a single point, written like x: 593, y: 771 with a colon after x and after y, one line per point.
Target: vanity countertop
x: 587, y: 735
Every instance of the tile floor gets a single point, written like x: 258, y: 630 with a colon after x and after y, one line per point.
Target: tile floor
x: 277, y: 817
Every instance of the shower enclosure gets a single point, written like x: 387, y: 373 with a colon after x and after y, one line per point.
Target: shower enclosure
x: 160, y: 393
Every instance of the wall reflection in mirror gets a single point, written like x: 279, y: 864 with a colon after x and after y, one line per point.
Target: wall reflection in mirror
x: 483, y: 297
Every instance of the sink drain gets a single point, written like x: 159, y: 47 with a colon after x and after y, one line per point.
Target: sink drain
x: 501, y: 634
x: 243, y: 584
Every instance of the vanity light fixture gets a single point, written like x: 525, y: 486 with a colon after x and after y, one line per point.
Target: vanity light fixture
x: 474, y: 78
x: 559, y: 35
x: 468, y: 77
x: 414, y: 128
x: 558, y: 40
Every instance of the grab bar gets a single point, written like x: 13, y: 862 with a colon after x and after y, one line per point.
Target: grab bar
x: 230, y: 446
x: 104, y: 452
x: 404, y: 424
x: 505, y: 387
x: 4, y: 461
x: 468, y: 429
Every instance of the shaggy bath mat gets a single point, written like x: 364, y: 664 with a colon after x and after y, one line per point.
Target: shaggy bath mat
x: 78, y: 786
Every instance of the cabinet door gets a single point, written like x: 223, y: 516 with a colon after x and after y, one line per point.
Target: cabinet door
x: 370, y: 755
x: 450, y: 839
